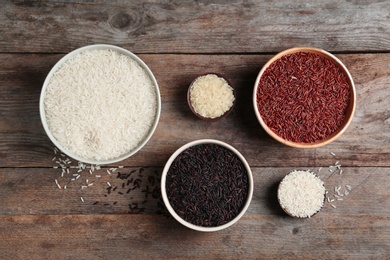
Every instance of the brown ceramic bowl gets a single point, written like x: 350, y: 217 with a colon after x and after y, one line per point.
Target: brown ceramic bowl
x: 350, y: 110
x: 209, y: 118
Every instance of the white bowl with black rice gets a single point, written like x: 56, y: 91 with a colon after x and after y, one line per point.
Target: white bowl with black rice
x: 207, y: 185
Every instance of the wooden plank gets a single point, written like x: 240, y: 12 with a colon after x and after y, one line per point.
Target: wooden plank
x: 33, y: 191
x: 193, y: 27
x: 122, y: 191
x: 104, y: 214
x: 156, y: 237
x: 365, y: 143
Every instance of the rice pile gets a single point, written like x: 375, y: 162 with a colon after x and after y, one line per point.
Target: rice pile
x: 301, y: 194
x: 100, y: 104
x: 211, y: 96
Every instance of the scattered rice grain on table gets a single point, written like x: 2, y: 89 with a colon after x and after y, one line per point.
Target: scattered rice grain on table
x: 337, y: 193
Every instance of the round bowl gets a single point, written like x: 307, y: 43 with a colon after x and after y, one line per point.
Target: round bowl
x: 296, y: 196
x: 165, y: 194
x: 349, y: 112
x: 209, y: 118
x: 73, y: 54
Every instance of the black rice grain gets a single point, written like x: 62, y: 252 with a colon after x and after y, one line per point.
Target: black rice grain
x: 207, y: 185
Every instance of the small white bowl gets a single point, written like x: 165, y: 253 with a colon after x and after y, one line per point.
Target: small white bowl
x: 73, y: 54
x: 164, y: 191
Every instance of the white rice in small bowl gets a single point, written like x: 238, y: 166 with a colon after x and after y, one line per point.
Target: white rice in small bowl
x: 100, y: 104
x: 301, y: 194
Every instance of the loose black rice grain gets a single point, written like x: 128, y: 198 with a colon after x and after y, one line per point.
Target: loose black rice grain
x: 132, y: 180
x: 151, y: 180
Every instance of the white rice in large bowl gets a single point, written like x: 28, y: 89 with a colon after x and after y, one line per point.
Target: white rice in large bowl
x: 100, y: 105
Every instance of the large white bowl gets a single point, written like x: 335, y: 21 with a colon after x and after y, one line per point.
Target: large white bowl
x: 71, y: 55
x: 164, y: 191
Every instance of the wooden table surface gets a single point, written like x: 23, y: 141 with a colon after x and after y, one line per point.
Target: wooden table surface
x: 179, y: 40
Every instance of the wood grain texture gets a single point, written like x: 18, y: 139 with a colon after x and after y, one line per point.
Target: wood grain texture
x: 365, y: 143
x: 180, y: 40
x: 195, y: 27
x: 156, y: 237
x: 33, y: 191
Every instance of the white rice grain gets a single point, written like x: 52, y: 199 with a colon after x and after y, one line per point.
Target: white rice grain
x: 301, y: 193
x: 116, y: 104
x: 58, y: 185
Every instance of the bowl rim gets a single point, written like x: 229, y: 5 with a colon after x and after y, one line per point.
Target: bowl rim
x: 352, y: 102
x: 73, y: 54
x: 190, y: 103
x: 286, y: 210
x: 165, y: 197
